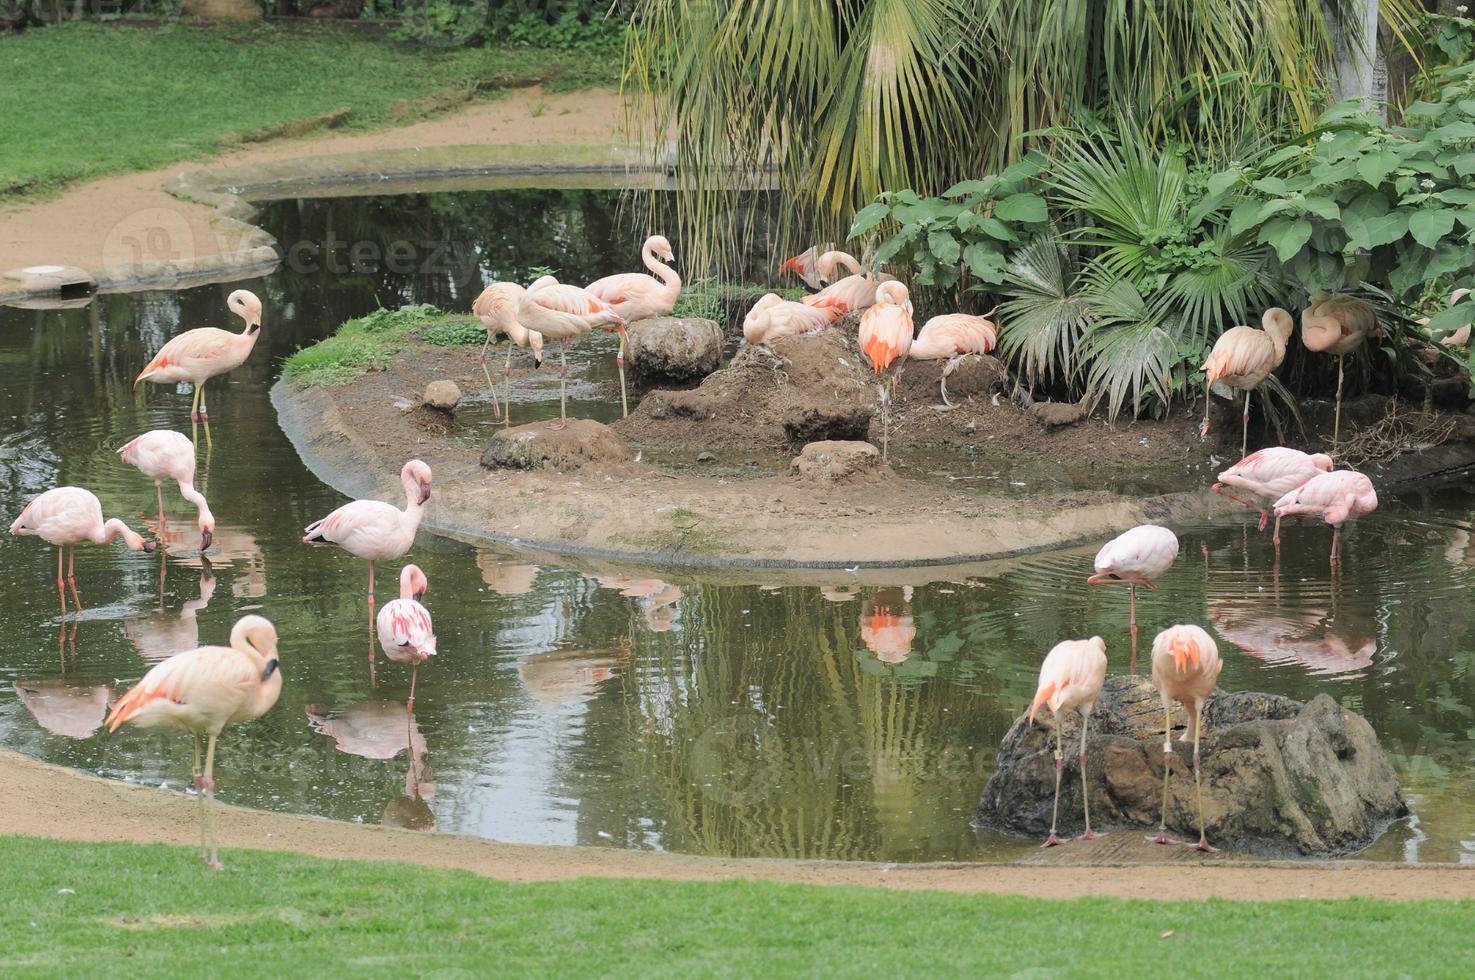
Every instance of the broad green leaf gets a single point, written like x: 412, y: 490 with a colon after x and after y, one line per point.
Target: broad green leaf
x: 1449, y: 258
x: 1374, y: 167
x: 995, y: 228
x: 1223, y: 180
x: 1322, y: 207
x: 973, y: 188
x: 1428, y: 227
x: 1464, y: 164
x: 1457, y: 195
x: 984, y: 263
x: 1286, y: 236
x: 1026, y: 208
x: 867, y: 218
x: 945, y: 247
x: 1246, y: 215
x: 1271, y: 185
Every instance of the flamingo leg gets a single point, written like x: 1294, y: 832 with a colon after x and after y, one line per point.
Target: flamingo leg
x: 1133, y: 667
x: 562, y: 422
x: 194, y: 405
x: 72, y: 578
x: 214, y: 862
x: 496, y: 408
x: 1337, y: 422
x: 1203, y: 430
x: 942, y: 384
x: 507, y: 389
x: 1052, y: 840
x: 1276, y: 537
x: 61, y: 585
x: 414, y: 674
x: 1336, y: 533
x: 1162, y: 823
x: 200, y: 801
x: 159, y: 492
x: 1264, y: 514
x: 1198, y: 788
x: 620, y: 363
x: 1244, y: 438
x: 1085, y: 792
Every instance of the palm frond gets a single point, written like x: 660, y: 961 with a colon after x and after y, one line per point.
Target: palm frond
x: 1046, y: 313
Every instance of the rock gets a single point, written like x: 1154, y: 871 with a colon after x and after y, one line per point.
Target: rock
x: 1280, y: 778
x: 833, y: 462
x: 1057, y: 415
x: 674, y: 349
x: 706, y: 457
x: 535, y: 446
x: 443, y: 396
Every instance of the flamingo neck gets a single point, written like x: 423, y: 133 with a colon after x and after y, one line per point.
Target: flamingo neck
x: 112, y: 529
x: 661, y: 271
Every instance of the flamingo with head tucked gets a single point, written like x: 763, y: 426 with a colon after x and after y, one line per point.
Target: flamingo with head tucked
x: 1243, y: 358
x: 1335, y: 498
x: 805, y: 265
x: 1269, y: 474
x: 853, y: 292
x: 198, y: 355
x: 65, y: 517
x: 203, y: 690
x: 405, y: 630
x: 1071, y: 677
x: 1338, y: 325
x: 1135, y: 557
x: 163, y: 454
x: 564, y: 313
x: 773, y: 317
x: 375, y: 530
x: 496, y: 308
x: 1185, y: 668
x: 885, y: 339
x: 952, y: 337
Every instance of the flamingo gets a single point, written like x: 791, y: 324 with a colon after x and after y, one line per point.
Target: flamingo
x: 163, y: 454
x: 1071, y: 677
x: 405, y: 630
x: 805, y: 265
x: 198, y: 355
x: 67, y: 516
x: 1185, y: 668
x: 1268, y: 475
x: 375, y: 530
x: 496, y: 308
x: 885, y: 339
x: 1337, y: 325
x: 635, y: 295
x: 1335, y: 498
x: 203, y: 690
x: 1243, y: 358
x: 1136, y: 557
x: 773, y: 317
x: 563, y: 313
x: 853, y: 292
x: 887, y: 627
x: 952, y: 337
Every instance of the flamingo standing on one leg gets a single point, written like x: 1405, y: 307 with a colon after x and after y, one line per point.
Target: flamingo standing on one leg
x: 853, y: 292
x: 635, y: 295
x: 198, y: 355
x: 1335, y: 498
x: 375, y: 530
x: 1136, y: 557
x: 1071, y: 677
x: 164, y: 454
x: 952, y: 337
x: 65, y: 517
x: 1243, y: 358
x: 563, y: 313
x: 1338, y: 325
x: 805, y: 265
x: 496, y: 308
x: 773, y: 317
x: 1185, y: 668
x: 203, y: 690
x: 885, y: 339
x: 1268, y: 475
x: 405, y: 631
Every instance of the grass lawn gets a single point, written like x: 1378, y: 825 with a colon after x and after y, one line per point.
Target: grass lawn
x: 370, y: 342
x: 131, y: 910
x: 87, y: 99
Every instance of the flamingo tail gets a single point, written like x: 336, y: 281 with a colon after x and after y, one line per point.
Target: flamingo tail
x: 1044, y: 694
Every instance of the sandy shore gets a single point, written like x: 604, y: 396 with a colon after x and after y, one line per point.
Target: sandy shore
x: 116, y: 221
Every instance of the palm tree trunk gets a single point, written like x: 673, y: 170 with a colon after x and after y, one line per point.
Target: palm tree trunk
x: 1361, y: 72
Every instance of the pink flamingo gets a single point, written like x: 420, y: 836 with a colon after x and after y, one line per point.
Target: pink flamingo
x: 1268, y: 475
x: 375, y: 530
x: 1243, y: 358
x: 887, y: 627
x: 1338, y: 325
x: 853, y: 292
x: 1335, y: 498
x: 67, y: 516
x: 952, y: 337
x: 635, y: 295
x: 163, y: 454
x: 496, y: 308
x: 805, y: 265
x: 1136, y: 557
x: 1071, y: 677
x: 203, y: 690
x: 773, y: 317
x: 405, y: 631
x: 564, y: 313
x: 198, y: 355
x: 1185, y: 668
x: 885, y: 339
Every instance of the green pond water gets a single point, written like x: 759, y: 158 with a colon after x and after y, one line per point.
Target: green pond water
x: 610, y: 707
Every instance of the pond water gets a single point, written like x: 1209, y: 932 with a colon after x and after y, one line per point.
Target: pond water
x: 855, y: 720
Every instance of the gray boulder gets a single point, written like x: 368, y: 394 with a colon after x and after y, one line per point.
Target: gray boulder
x: 674, y: 349
x: 443, y: 396
x: 535, y: 446
x: 1280, y: 778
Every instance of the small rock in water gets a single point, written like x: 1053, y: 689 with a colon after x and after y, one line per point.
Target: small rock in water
x: 443, y: 396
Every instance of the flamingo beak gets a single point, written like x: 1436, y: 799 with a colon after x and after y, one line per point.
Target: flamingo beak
x: 424, y: 491
x: 207, y: 538
x: 149, y: 547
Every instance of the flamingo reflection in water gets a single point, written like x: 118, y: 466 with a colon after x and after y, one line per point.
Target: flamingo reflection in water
x: 886, y: 625
x: 381, y: 730
x: 63, y: 706
x: 658, y: 598
x: 560, y: 677
x: 163, y: 634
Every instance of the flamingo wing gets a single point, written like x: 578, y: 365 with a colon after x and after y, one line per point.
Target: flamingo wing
x: 405, y: 623
x: 362, y: 523
x: 214, y: 681
x: 200, y: 347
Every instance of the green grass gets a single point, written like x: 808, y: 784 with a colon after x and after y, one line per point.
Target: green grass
x: 137, y: 910
x: 370, y: 342
x: 87, y: 99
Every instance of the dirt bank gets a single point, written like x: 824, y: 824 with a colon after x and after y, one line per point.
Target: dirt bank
x: 49, y: 801
x: 355, y: 437
x: 133, y: 221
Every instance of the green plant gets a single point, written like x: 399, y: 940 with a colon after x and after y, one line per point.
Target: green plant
x: 441, y: 23
x: 370, y: 342
x: 602, y: 37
